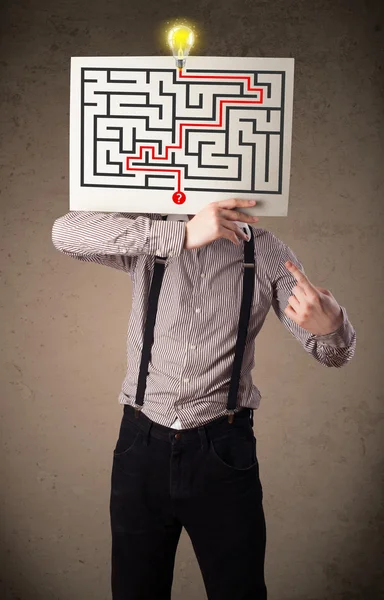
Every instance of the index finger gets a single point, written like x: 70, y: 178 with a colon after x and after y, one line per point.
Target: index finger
x: 237, y: 215
x: 233, y: 202
x: 299, y: 275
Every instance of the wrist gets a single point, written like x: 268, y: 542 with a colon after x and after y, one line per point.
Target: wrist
x: 335, y: 326
x: 339, y: 321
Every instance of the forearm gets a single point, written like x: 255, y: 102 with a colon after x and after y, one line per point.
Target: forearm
x: 83, y: 233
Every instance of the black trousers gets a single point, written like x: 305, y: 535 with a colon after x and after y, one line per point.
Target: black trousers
x: 205, y: 479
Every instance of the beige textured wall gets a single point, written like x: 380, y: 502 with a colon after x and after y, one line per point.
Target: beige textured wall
x: 63, y: 323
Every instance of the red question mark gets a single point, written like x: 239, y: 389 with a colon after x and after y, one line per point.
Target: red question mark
x: 179, y: 197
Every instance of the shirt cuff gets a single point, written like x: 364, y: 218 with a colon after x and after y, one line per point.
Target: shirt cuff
x: 166, y: 238
x: 341, y: 337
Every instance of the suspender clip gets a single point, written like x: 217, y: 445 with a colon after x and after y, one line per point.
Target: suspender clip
x: 231, y: 415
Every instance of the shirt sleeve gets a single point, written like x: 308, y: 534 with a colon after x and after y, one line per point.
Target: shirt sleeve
x: 334, y: 349
x: 116, y: 239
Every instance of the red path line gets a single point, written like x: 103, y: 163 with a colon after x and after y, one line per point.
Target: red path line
x: 181, y: 125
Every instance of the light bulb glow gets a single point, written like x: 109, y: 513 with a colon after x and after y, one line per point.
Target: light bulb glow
x: 180, y: 40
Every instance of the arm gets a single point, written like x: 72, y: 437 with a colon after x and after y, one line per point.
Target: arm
x: 116, y: 239
x: 331, y: 350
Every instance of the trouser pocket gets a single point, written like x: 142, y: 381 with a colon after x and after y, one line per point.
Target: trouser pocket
x: 236, y: 449
x: 129, y: 435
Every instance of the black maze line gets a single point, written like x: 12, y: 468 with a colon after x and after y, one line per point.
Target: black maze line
x: 148, y: 104
x: 172, y: 188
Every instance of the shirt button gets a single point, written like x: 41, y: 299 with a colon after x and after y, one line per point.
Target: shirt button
x: 192, y: 346
x: 186, y: 379
x: 198, y: 310
x: 202, y: 275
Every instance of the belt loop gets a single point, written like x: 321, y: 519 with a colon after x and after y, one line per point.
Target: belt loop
x: 147, y: 433
x: 203, y: 437
x: 251, y: 416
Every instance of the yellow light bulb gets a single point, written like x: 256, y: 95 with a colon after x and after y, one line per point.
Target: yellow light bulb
x: 180, y: 39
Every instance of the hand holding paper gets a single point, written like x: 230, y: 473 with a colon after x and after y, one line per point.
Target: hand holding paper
x: 216, y: 220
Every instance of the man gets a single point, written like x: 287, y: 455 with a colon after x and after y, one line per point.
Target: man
x: 186, y: 450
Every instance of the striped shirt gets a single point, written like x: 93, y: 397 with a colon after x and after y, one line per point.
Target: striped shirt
x: 198, y: 310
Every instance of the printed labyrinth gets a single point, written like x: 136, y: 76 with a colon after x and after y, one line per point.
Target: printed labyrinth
x: 198, y: 130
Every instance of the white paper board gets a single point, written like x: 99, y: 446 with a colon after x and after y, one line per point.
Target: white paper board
x: 142, y: 135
